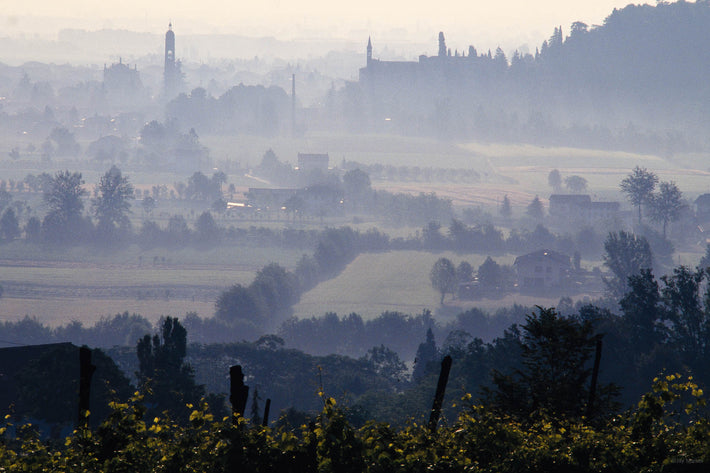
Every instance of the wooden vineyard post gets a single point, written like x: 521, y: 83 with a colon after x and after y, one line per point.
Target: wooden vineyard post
x: 267, y: 408
x: 86, y: 371
x: 595, y: 376
x: 238, y: 392
x: 440, y: 391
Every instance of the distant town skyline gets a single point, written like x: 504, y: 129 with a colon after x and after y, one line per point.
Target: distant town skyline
x: 510, y: 22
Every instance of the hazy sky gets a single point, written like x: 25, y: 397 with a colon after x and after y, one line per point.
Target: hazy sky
x: 465, y: 22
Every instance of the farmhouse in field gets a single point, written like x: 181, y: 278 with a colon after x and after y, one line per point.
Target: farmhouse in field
x: 580, y: 209
x: 542, y: 269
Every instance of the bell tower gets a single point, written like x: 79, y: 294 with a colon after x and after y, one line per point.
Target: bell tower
x: 170, y: 71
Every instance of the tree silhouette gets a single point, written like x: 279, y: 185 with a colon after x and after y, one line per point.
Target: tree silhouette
x: 535, y: 209
x: 357, y: 188
x: 206, y: 229
x: 667, y: 204
x: 554, y: 180
x: 64, y: 201
x: 443, y: 277
x: 576, y: 184
x: 625, y: 254
x: 490, y: 274
x: 111, y: 203
x: 506, y: 211
x: 464, y: 272
x: 9, y: 226
x: 555, y: 372
x: 427, y: 352
x: 167, y: 381
x: 238, y: 303
x: 638, y: 186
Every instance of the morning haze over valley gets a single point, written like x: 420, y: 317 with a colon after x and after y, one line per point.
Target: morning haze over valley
x: 308, y: 237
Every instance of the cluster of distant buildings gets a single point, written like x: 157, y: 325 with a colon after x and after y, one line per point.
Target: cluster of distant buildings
x: 123, y: 80
x: 268, y: 200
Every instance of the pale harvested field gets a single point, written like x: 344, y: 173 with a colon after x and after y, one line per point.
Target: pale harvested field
x: 55, y: 311
x: 78, y: 284
x: 520, y: 172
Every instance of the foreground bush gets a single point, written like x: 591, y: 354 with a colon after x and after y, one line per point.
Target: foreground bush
x: 669, y: 425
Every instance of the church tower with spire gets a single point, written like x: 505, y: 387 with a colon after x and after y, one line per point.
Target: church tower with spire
x: 171, y: 72
x: 369, y: 51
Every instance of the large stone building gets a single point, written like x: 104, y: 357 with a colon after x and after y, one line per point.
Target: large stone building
x: 429, y: 71
x: 121, y: 78
x: 434, y: 92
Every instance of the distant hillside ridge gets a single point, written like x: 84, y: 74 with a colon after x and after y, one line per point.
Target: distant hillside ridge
x: 653, y: 57
x: 637, y: 82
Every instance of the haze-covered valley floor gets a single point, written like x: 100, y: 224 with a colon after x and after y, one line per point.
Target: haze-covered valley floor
x: 80, y: 284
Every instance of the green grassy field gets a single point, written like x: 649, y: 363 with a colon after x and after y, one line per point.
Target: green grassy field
x: 397, y: 281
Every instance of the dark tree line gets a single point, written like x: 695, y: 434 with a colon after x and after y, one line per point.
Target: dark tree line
x: 539, y: 366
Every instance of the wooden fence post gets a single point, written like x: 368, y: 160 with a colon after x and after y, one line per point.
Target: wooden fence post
x: 86, y: 371
x: 595, y: 376
x: 267, y: 408
x: 440, y: 391
x: 238, y: 392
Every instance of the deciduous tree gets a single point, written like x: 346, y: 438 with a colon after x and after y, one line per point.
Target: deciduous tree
x: 443, y: 277
x: 666, y: 205
x: 9, y: 226
x: 625, y: 254
x: 464, y: 272
x: 555, y: 373
x: 65, y: 204
x: 357, y: 188
x: 111, y: 204
x: 638, y: 186
x: 163, y: 370
x: 238, y: 303
x: 576, y: 184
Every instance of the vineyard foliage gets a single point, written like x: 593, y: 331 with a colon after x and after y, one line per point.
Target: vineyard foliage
x: 668, y: 425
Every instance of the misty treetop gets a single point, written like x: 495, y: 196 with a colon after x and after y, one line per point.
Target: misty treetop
x: 666, y: 205
x: 111, y: 203
x: 535, y: 98
x: 243, y: 109
x: 64, y: 222
x: 443, y: 277
x: 639, y: 186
